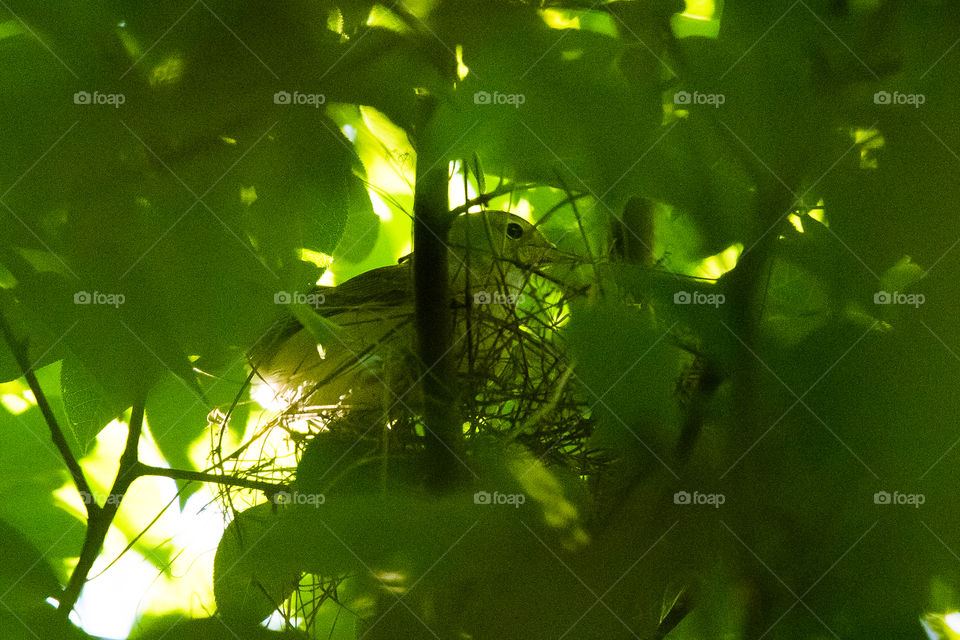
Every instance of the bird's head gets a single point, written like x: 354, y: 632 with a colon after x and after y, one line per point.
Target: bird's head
x: 492, y: 241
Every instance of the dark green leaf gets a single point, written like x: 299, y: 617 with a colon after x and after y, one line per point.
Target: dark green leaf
x: 247, y: 592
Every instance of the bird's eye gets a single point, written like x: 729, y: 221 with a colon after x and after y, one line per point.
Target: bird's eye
x: 514, y: 231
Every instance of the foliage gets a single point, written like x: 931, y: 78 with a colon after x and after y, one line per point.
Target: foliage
x: 732, y: 418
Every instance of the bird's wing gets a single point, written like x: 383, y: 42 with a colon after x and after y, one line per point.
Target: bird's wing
x: 371, y: 313
x: 385, y: 287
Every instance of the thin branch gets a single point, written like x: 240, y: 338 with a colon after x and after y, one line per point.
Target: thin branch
x: 181, y: 474
x: 484, y: 198
x: 215, y: 478
x: 20, y: 353
x: 131, y: 543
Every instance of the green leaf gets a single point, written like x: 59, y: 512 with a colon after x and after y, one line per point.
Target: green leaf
x: 324, y: 330
x: 176, y: 627
x: 364, y: 521
x: 901, y: 276
x: 88, y: 406
x: 334, y: 461
x: 26, y: 579
x: 198, y: 274
x: 248, y: 592
x: 43, y: 346
x: 796, y: 304
x: 560, y: 107
x: 40, y: 622
x: 362, y: 228
x: 626, y: 367
x: 177, y: 413
x: 31, y: 469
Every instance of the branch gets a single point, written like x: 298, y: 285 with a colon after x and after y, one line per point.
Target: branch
x: 484, y: 198
x: 746, y: 284
x: 215, y: 478
x: 20, y: 353
x: 434, y: 319
x: 100, y: 518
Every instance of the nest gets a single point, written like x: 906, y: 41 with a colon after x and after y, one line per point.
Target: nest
x: 514, y: 380
x: 515, y: 384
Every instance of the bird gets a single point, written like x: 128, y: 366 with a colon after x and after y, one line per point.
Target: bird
x: 363, y: 357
